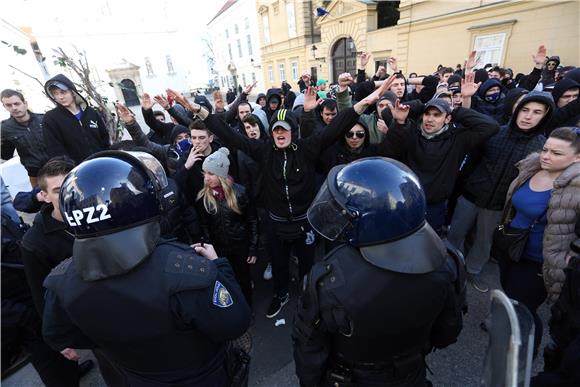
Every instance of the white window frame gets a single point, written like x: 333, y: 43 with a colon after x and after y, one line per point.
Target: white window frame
x: 294, y: 71
x: 291, y: 19
x: 249, y: 42
x: 266, y: 26
x: 282, y: 71
x: 271, y: 73
x: 490, y: 48
x: 239, y: 43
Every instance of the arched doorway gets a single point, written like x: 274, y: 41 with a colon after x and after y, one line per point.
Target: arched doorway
x: 343, y: 58
x: 129, y: 92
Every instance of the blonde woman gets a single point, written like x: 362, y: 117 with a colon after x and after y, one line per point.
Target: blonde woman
x: 547, y: 194
x: 228, y: 219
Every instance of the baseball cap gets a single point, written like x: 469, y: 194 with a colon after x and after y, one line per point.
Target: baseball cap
x: 59, y: 85
x: 440, y: 105
x: 283, y: 118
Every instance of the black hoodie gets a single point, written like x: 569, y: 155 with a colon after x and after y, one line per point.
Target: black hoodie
x: 250, y: 171
x: 64, y: 134
x: 495, y: 168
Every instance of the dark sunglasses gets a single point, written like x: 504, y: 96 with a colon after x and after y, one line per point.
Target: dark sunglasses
x: 357, y: 134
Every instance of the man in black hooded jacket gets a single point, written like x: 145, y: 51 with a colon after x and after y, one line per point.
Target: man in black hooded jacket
x: 288, y: 166
x: 72, y: 128
x: 486, y: 188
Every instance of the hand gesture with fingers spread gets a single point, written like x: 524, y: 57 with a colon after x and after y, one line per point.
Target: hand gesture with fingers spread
x: 540, y: 57
x: 125, y: 114
x: 310, y: 99
x: 392, y: 61
x: 468, y: 86
x: 400, y: 112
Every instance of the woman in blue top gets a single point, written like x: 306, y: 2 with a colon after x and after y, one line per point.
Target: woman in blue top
x: 545, y: 197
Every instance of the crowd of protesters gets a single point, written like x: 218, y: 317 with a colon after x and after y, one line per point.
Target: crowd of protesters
x: 488, y: 146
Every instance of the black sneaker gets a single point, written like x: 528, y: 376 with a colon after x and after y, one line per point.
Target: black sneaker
x: 477, y: 283
x: 276, y: 305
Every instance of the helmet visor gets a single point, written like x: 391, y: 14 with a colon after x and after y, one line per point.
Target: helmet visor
x: 153, y: 165
x: 327, y: 216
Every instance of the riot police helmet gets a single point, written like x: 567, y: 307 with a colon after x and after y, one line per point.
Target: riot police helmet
x: 378, y: 205
x: 112, y: 191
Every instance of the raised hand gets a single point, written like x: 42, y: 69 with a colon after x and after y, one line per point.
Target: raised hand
x: 344, y: 81
x: 364, y: 59
x: 381, y: 71
x: 125, y: 114
x: 310, y: 99
x: 162, y: 101
x: 177, y: 97
x: 374, y: 96
x: 400, y: 112
x: 392, y: 61
x: 468, y: 86
x: 540, y: 57
x: 471, y: 61
x: 248, y: 88
x: 146, y: 102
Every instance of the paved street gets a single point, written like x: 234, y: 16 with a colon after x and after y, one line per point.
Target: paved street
x: 272, y: 365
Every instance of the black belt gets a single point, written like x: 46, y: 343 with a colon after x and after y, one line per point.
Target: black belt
x: 288, y: 219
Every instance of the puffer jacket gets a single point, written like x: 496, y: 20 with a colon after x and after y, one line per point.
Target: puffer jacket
x: 229, y: 231
x: 563, y: 212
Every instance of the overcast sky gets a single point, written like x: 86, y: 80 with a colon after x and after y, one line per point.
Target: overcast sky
x: 116, y: 26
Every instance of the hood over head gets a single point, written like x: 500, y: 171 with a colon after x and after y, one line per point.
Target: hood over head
x: 178, y: 129
x: 63, y: 83
x: 261, y: 95
x: 273, y: 93
x: 481, y: 75
x: 542, y: 97
x: 511, y: 98
x: 573, y: 75
x: 488, y: 85
x: 263, y: 133
x: 562, y: 86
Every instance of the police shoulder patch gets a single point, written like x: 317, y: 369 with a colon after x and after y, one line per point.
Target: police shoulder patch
x: 221, y: 296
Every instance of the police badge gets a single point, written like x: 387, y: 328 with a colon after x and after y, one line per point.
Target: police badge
x: 221, y: 296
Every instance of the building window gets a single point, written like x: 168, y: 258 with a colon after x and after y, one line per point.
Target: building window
x: 236, y: 28
x: 387, y: 13
x: 291, y: 19
x: 489, y: 48
x: 149, y: 68
x: 239, y: 47
x: 230, y: 51
x: 282, y: 72
x: 227, y: 33
x: 270, y: 73
x: 266, y: 25
x: 247, y: 23
x: 253, y: 77
x: 275, y: 8
x: 244, y: 80
x: 249, y: 39
x: 170, y: 70
x: 294, y: 71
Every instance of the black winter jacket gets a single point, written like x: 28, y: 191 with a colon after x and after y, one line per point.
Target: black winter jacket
x: 65, y: 135
x: 436, y: 161
x: 230, y: 232
x: 495, y: 168
x: 289, y: 173
x: 27, y: 139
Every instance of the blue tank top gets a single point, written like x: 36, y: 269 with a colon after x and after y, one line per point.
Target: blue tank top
x: 529, y: 205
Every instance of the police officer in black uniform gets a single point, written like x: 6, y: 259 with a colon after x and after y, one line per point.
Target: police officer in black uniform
x: 158, y: 310
x: 378, y: 303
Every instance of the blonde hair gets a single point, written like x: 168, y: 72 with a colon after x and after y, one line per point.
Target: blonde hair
x: 210, y: 202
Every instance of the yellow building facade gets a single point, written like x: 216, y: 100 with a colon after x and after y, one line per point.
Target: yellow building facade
x: 426, y: 34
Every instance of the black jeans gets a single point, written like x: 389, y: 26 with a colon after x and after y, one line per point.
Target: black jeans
x: 304, y: 248
x: 523, y: 282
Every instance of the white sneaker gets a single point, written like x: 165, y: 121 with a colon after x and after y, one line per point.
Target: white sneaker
x: 268, y: 272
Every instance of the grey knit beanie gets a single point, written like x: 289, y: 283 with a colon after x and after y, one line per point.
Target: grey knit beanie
x: 217, y: 163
